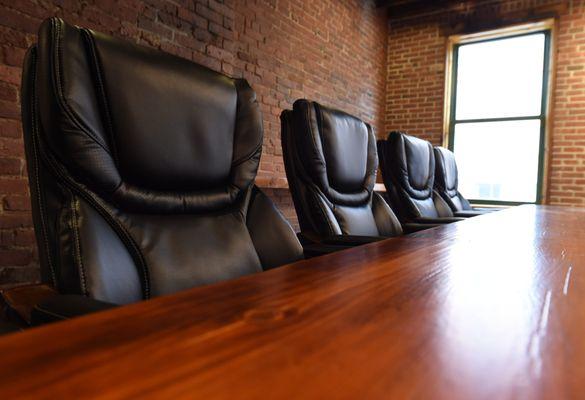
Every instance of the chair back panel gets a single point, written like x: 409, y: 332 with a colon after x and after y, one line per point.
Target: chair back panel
x: 345, y: 147
x: 447, y: 180
x: 408, y: 170
x: 331, y: 162
x: 142, y: 169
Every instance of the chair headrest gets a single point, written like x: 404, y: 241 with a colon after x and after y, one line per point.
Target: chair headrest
x: 338, y: 150
x: 446, y: 175
x: 412, y: 164
x: 147, y: 130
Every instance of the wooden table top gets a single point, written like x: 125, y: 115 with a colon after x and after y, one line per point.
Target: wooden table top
x: 489, y: 308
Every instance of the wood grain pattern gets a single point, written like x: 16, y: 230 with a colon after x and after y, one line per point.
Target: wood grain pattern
x: 491, y: 307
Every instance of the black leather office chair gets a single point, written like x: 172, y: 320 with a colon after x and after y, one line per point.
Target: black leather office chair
x: 446, y: 184
x: 331, y: 161
x: 142, y: 169
x: 408, y: 170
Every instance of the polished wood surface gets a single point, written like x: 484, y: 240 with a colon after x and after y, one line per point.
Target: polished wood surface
x: 489, y: 308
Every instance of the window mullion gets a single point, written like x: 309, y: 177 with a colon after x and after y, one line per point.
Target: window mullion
x: 502, y: 119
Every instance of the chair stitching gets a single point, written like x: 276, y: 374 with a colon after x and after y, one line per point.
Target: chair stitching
x: 101, y: 209
x: 101, y: 90
x: 75, y: 226
x: 247, y: 157
x: 313, y: 136
x: 56, y: 33
x: 324, y: 213
x: 36, y: 171
x: 59, y: 97
x: 250, y: 155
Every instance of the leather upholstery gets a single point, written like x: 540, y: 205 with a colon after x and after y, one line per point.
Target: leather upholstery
x: 446, y: 180
x: 142, y: 169
x: 331, y: 162
x: 408, y: 169
x: 446, y: 184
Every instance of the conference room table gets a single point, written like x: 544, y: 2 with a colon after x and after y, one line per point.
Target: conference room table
x: 492, y: 307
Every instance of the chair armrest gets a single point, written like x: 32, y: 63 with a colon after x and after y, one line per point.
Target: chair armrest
x: 438, y: 221
x: 314, y: 245
x: 39, y: 304
x: 338, y: 240
x: 351, y: 240
x: 470, y: 213
x: 20, y: 301
x: 311, y: 250
x: 66, y: 306
x: 411, y: 227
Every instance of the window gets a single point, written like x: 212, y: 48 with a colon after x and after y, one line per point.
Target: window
x: 497, y: 109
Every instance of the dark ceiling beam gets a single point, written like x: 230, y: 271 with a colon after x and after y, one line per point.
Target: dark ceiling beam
x: 406, y: 8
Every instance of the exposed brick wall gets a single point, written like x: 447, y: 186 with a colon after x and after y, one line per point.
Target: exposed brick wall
x: 567, y: 172
x: 416, y: 80
x: 417, y: 46
x: 332, y: 51
x: 329, y: 50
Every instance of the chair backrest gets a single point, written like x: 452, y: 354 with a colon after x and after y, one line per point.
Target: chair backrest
x: 447, y: 180
x: 331, y: 163
x: 408, y: 170
x: 142, y: 169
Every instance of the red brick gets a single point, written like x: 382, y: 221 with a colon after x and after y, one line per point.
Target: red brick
x: 15, y: 257
x: 10, y: 166
x: 24, y: 237
x: 10, y: 147
x: 10, y: 74
x: 14, y: 38
x: 12, y: 186
x: 13, y: 55
x: 23, y: 220
x: 16, y: 20
x: 208, y: 14
x: 8, y: 92
x: 13, y: 275
x: 9, y: 109
x: 16, y: 203
x: 10, y: 128
x: 189, y: 16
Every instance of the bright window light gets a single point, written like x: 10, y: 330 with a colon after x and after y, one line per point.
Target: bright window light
x: 505, y: 166
x: 498, y: 116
